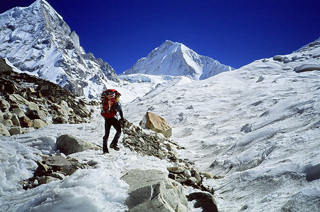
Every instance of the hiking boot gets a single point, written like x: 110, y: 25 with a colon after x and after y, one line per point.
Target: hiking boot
x: 114, y: 146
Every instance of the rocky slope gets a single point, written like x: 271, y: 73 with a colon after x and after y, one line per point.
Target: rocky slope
x: 30, y: 102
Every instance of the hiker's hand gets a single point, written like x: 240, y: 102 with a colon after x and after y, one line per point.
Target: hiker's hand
x: 121, y: 122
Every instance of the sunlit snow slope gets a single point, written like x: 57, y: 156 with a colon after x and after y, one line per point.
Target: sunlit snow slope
x: 258, y: 126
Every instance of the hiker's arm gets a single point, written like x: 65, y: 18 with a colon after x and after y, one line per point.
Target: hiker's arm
x: 119, y: 109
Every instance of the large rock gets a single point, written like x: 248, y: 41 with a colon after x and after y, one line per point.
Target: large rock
x: 69, y: 144
x: 38, y: 123
x: 157, y: 124
x: 4, y: 105
x: 204, y: 200
x: 151, y: 190
x: 15, y: 130
x: 3, y: 130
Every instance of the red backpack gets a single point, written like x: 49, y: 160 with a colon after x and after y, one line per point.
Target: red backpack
x: 109, y: 99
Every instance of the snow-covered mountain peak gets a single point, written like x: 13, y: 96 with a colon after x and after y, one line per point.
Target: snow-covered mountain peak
x: 176, y: 59
x: 36, y: 40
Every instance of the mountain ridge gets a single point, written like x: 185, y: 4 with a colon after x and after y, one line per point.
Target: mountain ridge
x: 36, y: 40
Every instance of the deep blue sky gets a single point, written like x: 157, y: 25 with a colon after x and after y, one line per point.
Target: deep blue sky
x: 231, y: 31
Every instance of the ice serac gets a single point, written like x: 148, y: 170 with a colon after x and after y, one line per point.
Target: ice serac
x: 37, y: 40
x: 175, y: 59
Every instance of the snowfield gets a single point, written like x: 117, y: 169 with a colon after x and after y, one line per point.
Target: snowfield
x: 257, y: 126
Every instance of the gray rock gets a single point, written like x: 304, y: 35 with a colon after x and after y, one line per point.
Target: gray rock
x: 16, y: 130
x: 7, y: 115
x: 7, y: 123
x: 16, y: 98
x: 68, y: 144
x: 18, y: 112
x: 151, y: 190
x: 278, y: 58
x: 4, y: 105
x: 15, y: 119
x: 3, y: 130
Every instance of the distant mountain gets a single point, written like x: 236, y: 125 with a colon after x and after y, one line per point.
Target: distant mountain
x: 36, y: 40
x: 175, y: 59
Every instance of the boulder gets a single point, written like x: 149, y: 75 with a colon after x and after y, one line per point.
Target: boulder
x: 4, y: 105
x: 7, y: 123
x: 38, y: 123
x: 61, y: 164
x: 204, y: 200
x: 157, y: 124
x: 151, y: 190
x: 16, y: 130
x: 17, y: 99
x: 25, y: 121
x: 15, y: 119
x: 60, y: 119
x: 3, y: 130
x: 18, y: 112
x: 69, y: 144
x: 7, y: 115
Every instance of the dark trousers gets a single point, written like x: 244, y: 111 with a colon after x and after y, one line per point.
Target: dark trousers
x: 107, y: 125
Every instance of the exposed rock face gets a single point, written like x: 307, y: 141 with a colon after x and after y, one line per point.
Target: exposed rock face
x: 27, y: 101
x: 157, y: 124
x: 151, y: 190
x: 68, y: 144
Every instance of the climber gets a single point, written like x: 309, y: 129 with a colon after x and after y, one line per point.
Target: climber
x: 110, y: 107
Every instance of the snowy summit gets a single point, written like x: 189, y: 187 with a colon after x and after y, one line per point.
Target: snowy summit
x: 38, y: 41
x: 175, y: 59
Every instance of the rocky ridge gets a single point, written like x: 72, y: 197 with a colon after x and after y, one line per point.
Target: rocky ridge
x: 28, y: 102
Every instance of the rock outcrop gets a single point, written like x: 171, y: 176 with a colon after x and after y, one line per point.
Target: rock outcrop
x: 151, y: 190
x: 30, y: 102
